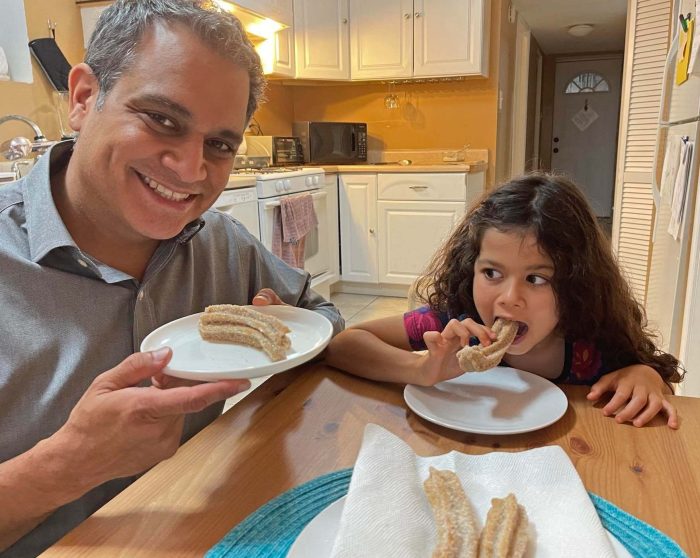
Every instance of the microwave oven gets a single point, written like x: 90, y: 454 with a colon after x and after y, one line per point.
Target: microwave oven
x: 280, y: 150
x: 332, y: 142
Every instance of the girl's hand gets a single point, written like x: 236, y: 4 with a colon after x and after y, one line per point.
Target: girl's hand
x: 639, y: 395
x: 440, y: 362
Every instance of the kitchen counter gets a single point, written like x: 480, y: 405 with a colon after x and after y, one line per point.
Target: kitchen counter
x: 462, y: 166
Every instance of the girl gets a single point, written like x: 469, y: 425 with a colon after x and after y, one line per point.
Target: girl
x: 531, y: 252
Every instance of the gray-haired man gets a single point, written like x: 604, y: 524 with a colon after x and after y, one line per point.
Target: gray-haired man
x: 103, y: 242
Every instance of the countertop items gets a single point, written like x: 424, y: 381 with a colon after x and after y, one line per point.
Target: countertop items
x: 308, y: 422
x: 464, y: 166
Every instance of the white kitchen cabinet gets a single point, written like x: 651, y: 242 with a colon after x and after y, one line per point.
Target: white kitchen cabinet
x: 322, y: 39
x: 277, y: 53
x: 417, y: 38
x: 450, y: 37
x: 330, y: 186
x: 409, y: 233
x: 358, y: 224
x: 278, y: 10
x: 391, y: 224
x: 381, y: 39
x: 416, y: 212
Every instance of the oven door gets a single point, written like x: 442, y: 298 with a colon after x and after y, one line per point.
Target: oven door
x: 317, y: 249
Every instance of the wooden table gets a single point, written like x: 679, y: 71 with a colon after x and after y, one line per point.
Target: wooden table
x: 308, y: 422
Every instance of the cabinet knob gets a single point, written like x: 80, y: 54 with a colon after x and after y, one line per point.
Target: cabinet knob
x: 407, y: 16
x: 371, y: 231
x: 344, y: 20
x: 556, y: 150
x: 417, y: 14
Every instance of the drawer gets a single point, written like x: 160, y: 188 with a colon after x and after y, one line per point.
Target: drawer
x: 447, y: 186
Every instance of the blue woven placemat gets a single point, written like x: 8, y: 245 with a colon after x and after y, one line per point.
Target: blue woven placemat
x: 270, y: 531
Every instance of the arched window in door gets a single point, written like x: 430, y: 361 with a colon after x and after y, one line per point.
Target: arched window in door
x: 587, y: 82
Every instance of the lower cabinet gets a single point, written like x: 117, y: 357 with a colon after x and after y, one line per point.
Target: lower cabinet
x: 391, y: 224
x: 358, y: 227
x: 409, y: 233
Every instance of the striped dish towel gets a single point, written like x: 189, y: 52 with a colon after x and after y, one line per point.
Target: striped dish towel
x: 294, y: 219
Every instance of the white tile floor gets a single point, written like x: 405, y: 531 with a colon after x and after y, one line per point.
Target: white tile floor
x: 354, y: 308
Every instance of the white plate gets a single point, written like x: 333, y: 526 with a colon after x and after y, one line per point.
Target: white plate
x: 499, y: 401
x: 197, y: 359
x: 318, y: 536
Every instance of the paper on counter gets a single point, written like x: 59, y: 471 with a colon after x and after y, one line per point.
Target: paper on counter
x: 387, y: 513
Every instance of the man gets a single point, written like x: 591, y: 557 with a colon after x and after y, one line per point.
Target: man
x: 102, y: 243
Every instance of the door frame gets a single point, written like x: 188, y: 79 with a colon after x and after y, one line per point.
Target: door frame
x: 520, y: 90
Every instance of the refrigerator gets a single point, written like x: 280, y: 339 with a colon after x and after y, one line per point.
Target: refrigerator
x: 673, y: 288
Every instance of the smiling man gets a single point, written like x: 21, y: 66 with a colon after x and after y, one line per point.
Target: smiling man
x: 110, y: 237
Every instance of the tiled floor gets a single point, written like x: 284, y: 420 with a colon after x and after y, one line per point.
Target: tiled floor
x: 355, y: 309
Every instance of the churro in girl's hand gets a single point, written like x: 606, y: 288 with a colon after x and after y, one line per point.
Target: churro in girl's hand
x: 478, y: 358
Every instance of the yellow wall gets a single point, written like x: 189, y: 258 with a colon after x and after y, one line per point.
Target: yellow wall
x: 35, y: 100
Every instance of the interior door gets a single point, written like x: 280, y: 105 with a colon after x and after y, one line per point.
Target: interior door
x: 586, y: 118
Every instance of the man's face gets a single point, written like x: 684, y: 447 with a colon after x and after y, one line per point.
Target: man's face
x: 160, y: 150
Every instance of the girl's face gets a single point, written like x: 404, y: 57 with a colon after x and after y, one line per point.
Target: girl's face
x: 512, y: 279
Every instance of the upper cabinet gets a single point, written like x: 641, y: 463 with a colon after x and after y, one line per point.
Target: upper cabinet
x: 278, y: 10
x: 391, y: 39
x: 321, y: 37
x: 381, y: 39
x: 450, y: 37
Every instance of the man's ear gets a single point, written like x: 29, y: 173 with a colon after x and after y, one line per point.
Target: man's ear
x: 83, y: 94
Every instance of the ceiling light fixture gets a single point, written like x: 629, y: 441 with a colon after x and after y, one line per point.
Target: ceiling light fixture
x: 580, y: 30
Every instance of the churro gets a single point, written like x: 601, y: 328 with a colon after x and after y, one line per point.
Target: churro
x: 505, y: 534
x: 229, y: 323
x: 457, y: 533
x: 478, y: 358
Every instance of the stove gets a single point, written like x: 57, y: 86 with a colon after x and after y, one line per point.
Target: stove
x: 282, y: 181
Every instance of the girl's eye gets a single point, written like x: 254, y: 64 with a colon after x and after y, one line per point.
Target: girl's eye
x: 537, y: 280
x: 160, y: 119
x: 221, y: 147
x: 492, y: 273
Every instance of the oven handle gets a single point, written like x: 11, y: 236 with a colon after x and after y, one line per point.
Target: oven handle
x: 315, y: 196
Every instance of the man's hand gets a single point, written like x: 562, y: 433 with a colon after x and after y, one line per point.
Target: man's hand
x: 266, y: 297
x: 120, y: 429
x: 638, y: 398
x: 116, y: 429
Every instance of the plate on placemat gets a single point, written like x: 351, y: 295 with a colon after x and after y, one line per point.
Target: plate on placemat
x: 318, y: 536
x: 197, y: 359
x: 501, y: 400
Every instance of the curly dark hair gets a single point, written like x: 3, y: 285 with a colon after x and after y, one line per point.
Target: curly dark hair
x: 593, y: 298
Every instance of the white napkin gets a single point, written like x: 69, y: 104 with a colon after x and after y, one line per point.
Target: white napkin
x: 387, y: 513
x: 4, y: 67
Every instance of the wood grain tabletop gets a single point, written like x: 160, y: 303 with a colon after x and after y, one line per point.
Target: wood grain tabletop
x: 310, y: 421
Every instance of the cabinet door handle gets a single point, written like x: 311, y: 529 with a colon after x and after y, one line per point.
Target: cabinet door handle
x: 371, y: 231
x: 418, y: 187
x: 417, y: 14
x: 407, y: 16
x: 345, y: 20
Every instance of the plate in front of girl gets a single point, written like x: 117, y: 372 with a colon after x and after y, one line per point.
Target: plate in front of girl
x: 318, y: 536
x: 197, y: 359
x: 501, y: 400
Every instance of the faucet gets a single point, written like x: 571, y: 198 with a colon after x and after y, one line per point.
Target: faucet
x: 20, y: 147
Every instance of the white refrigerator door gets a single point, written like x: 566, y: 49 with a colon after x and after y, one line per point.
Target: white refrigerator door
x: 669, y: 265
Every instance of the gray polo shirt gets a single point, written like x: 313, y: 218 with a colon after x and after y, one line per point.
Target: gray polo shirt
x: 66, y: 317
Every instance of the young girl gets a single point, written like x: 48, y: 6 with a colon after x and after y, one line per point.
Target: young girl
x: 531, y: 252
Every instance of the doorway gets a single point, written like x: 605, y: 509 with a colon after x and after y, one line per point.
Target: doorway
x: 585, y: 125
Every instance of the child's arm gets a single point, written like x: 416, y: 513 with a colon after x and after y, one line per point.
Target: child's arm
x: 639, y: 395
x: 380, y: 350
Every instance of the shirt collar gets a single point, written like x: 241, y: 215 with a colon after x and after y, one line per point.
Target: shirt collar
x: 45, y: 227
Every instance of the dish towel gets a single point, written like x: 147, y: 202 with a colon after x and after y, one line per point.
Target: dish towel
x: 387, y: 513
x: 4, y: 66
x: 294, y: 219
